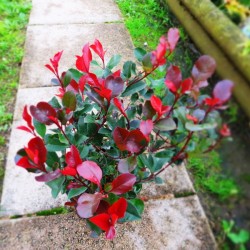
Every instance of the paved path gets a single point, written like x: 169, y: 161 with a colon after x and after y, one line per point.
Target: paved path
x: 169, y: 223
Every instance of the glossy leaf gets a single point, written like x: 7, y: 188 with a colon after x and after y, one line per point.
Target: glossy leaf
x: 69, y: 100
x: 123, y: 183
x: 131, y: 89
x: 56, y: 186
x: 173, y: 37
x: 89, y: 170
x: 87, y: 204
x: 134, y: 210
x: 198, y: 127
x: 42, y: 111
x: 223, y: 90
x: 40, y: 128
x: 49, y: 176
x: 76, y: 191
x: 166, y: 124
x: 114, y: 61
x: 139, y: 53
x: 203, y: 68
x: 115, y: 85
x: 127, y: 165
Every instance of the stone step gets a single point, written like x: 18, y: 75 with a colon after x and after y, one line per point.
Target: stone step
x: 43, y: 42
x: 166, y: 224
x: 77, y: 11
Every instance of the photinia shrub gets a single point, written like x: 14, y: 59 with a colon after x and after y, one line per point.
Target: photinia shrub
x: 107, y: 131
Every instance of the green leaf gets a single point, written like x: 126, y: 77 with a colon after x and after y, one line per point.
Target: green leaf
x: 52, y: 160
x: 165, y: 124
x: 198, y: 127
x: 242, y: 237
x: 76, y: 191
x: 84, y: 152
x: 67, y: 79
x: 56, y: 186
x: 164, y: 154
x: 114, y: 61
x: 134, y: 88
x: 158, y: 180
x: 104, y: 131
x: 69, y: 100
x: 134, y: 210
x: 89, y: 119
x: 139, y: 53
x: 54, y: 103
x: 55, y: 145
x: 128, y: 69
x: 146, y: 62
x: 40, y: 128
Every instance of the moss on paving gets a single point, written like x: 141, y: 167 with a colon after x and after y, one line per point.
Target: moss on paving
x: 13, y: 20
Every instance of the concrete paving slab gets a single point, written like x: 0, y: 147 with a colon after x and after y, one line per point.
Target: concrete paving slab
x: 17, y: 197
x: 176, y: 181
x: 42, y: 43
x: 166, y: 224
x: 77, y: 11
x: 22, y: 194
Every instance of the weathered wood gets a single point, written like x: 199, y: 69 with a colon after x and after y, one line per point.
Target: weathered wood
x: 226, y: 34
x: 208, y: 46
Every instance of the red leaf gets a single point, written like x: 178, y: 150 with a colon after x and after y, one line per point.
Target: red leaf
x: 73, y: 87
x: 223, y: 90
x: 25, y: 129
x: 36, y: 146
x: 119, y: 105
x: 69, y: 171
x: 97, y: 47
x: 83, y: 62
x: 87, y: 204
x: 174, y: 75
x: 89, y: 170
x: 42, y: 111
x: 49, y: 176
x: 50, y: 68
x: 117, y: 73
x: 82, y: 83
x: 148, y: 110
x: 120, y: 135
x: 119, y: 208
x: 156, y: 103
x: 27, y: 117
x: 132, y: 141
x: 158, y: 56
x: 25, y: 163
x: 114, y: 84
x: 105, y: 93
x: 203, y: 68
x: 56, y: 59
x: 123, y: 183
x: 146, y: 128
x: 102, y: 221
x: 212, y: 101
x: 186, y: 85
x: 225, y: 131
x: 73, y: 158
x: 110, y: 234
x: 173, y: 37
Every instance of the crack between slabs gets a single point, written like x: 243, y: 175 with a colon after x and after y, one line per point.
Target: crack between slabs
x: 83, y: 23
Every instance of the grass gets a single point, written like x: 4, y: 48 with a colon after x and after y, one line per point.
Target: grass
x: 147, y: 21
x: 13, y: 20
x: 208, y: 176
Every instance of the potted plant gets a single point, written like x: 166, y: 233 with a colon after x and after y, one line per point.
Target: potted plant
x: 107, y: 131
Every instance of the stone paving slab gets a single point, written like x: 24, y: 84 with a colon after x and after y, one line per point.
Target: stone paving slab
x: 77, y: 11
x: 167, y: 224
x: 43, y: 42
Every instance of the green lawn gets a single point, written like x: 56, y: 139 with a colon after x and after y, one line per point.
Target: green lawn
x: 13, y: 20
